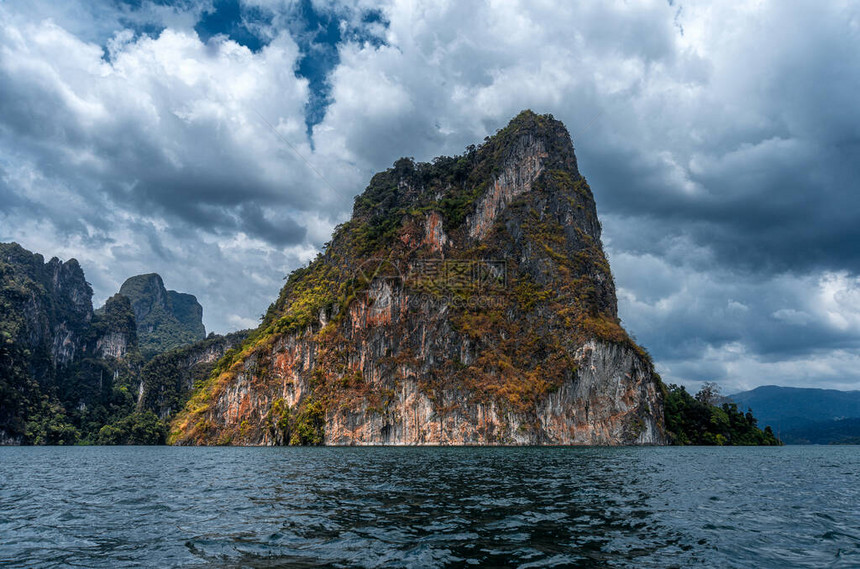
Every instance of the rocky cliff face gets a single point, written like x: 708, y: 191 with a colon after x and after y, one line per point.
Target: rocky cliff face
x: 165, y: 319
x: 188, y: 312
x: 66, y: 370
x: 468, y: 301
x: 48, y: 305
x: 168, y: 379
x: 45, y: 315
x: 114, y: 331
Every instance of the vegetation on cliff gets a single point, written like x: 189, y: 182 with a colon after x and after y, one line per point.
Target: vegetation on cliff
x: 163, y: 384
x: 57, y: 401
x: 38, y: 301
x: 707, y: 419
x: 71, y: 375
x: 169, y: 378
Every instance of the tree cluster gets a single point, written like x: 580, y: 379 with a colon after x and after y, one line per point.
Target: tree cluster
x: 708, y: 419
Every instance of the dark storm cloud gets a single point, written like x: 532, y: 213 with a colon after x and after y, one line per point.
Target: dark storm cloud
x: 773, y: 164
x: 282, y: 231
x: 8, y: 194
x: 789, y: 207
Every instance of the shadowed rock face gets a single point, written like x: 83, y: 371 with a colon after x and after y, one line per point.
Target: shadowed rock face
x: 165, y: 319
x: 48, y: 333
x: 67, y: 370
x: 47, y: 306
x: 468, y: 301
x: 167, y: 379
x: 118, y: 335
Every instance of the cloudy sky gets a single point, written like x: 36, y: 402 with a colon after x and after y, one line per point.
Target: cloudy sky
x: 219, y: 142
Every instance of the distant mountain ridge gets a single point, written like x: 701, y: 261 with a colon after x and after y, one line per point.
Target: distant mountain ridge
x: 804, y: 414
x: 166, y: 319
x: 838, y: 432
x: 69, y: 374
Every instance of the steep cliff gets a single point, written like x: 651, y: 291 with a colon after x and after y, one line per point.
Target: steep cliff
x: 166, y: 319
x: 45, y: 313
x: 47, y: 306
x: 114, y: 330
x: 168, y: 379
x: 467, y: 301
x: 69, y: 374
x: 161, y: 387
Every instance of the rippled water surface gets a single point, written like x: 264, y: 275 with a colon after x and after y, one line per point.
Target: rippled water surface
x: 429, y: 507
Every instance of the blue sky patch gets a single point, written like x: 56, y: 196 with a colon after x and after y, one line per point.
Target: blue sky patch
x: 234, y: 21
x: 318, y: 33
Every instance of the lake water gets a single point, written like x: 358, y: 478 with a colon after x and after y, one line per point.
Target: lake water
x: 429, y: 507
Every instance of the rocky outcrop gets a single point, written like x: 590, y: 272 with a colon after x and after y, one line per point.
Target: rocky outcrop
x: 45, y: 317
x: 64, y: 367
x: 113, y: 345
x: 468, y: 301
x: 188, y: 312
x: 167, y: 380
x: 114, y: 331
x: 524, y: 163
x: 612, y: 400
x: 434, y: 233
x: 165, y: 319
x: 47, y: 306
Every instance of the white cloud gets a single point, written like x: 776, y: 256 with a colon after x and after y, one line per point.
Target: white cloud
x: 838, y: 300
x: 156, y: 160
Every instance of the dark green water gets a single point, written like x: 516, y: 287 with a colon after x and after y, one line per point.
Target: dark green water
x: 429, y: 507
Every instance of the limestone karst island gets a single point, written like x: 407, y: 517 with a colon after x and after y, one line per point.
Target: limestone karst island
x: 468, y: 301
